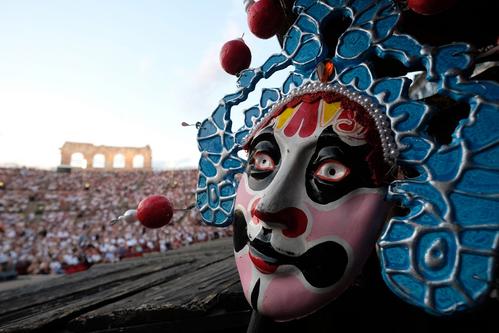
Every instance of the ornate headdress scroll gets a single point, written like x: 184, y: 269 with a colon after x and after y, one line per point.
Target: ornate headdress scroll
x: 441, y: 255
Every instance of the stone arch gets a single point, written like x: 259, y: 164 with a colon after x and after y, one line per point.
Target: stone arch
x: 99, y: 161
x: 90, y: 153
x: 78, y: 160
x: 119, y: 161
x: 138, y: 161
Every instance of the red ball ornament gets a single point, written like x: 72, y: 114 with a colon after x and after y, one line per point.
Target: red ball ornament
x: 430, y: 7
x: 265, y: 18
x: 155, y: 211
x: 235, y: 56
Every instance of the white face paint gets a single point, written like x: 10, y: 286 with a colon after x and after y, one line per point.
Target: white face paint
x: 307, y: 212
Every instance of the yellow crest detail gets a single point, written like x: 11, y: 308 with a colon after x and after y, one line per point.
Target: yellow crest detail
x: 329, y: 110
x: 284, y: 116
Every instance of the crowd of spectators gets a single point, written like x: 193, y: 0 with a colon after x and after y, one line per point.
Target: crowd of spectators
x: 54, y: 223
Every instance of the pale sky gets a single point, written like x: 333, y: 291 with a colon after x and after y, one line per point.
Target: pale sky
x: 114, y: 72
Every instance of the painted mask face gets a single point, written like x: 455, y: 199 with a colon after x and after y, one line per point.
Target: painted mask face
x: 308, y: 209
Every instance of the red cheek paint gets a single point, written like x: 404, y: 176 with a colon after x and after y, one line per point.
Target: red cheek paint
x: 255, y: 219
x: 293, y: 220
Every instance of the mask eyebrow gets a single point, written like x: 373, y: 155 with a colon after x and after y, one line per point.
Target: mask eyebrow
x: 330, y: 144
x: 328, y: 138
x: 265, y: 134
x: 329, y: 152
x: 264, y: 145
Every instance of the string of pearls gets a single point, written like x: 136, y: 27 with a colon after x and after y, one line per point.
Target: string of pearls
x: 381, y: 121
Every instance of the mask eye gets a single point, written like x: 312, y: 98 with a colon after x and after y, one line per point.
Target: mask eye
x: 331, y: 171
x: 263, y: 162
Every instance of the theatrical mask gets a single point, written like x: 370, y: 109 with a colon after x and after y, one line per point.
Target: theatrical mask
x: 309, y: 206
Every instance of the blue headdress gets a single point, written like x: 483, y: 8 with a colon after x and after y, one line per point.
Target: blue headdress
x: 441, y: 255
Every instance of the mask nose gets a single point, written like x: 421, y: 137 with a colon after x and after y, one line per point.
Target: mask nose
x: 292, y: 220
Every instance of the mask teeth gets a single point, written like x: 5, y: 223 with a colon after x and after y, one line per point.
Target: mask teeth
x: 381, y: 121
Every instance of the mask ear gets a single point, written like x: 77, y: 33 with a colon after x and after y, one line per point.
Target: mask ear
x: 218, y: 165
x: 441, y: 256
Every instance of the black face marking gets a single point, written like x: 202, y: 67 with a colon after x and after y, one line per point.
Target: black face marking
x: 330, y: 147
x: 264, y: 143
x: 254, y: 295
x: 240, y: 238
x: 322, y: 266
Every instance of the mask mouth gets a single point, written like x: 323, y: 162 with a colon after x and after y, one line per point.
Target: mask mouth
x: 264, y: 256
x: 266, y: 264
x: 322, y: 265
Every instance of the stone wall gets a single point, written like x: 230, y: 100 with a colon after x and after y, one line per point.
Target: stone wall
x: 89, y: 151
